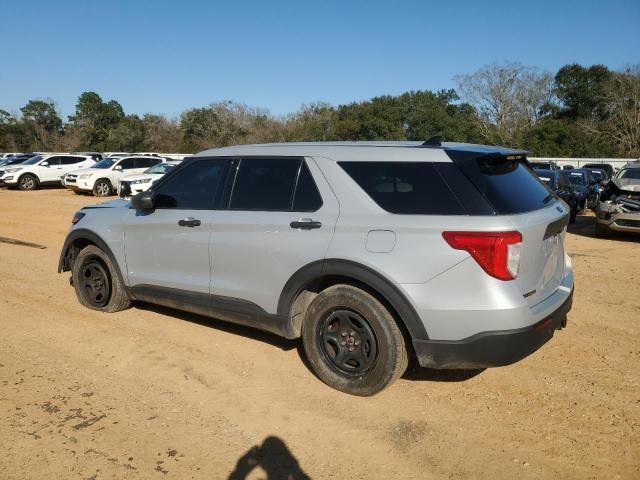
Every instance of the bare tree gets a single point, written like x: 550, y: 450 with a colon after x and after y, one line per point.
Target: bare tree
x: 508, y: 98
x: 622, y: 99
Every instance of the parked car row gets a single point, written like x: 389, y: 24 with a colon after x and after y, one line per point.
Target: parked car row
x: 83, y: 172
x: 616, y: 201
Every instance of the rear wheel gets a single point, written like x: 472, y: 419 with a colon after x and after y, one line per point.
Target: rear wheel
x: 96, y: 281
x: 102, y: 188
x: 352, y: 341
x: 28, y: 182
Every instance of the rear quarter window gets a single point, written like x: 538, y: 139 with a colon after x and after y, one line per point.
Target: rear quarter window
x: 412, y: 188
x: 508, y: 184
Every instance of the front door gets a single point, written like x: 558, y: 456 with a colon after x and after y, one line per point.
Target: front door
x: 169, y: 245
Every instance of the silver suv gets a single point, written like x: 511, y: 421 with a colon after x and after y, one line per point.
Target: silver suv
x: 451, y: 254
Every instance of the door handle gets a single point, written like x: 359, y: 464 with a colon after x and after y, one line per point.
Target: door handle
x: 306, y: 224
x: 189, y: 222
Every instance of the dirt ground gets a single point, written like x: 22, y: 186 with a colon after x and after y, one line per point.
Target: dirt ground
x: 153, y: 393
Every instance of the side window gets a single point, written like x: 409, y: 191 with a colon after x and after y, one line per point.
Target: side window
x: 53, y: 161
x: 265, y: 184
x: 194, y: 187
x: 145, y: 162
x: 306, y: 197
x: 128, y: 163
x: 405, y: 187
x: 72, y: 160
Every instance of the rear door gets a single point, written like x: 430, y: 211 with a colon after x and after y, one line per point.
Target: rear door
x: 281, y: 216
x: 169, y: 245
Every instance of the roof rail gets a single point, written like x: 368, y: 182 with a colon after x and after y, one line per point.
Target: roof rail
x: 434, y: 141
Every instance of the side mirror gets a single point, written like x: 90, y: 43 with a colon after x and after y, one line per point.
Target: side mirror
x: 143, y: 200
x: 44, y: 164
x: 118, y: 167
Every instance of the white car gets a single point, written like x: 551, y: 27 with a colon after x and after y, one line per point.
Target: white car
x: 102, y: 178
x: 133, y: 184
x: 43, y: 170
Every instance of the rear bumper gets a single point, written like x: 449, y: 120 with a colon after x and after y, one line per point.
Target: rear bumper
x: 492, y: 349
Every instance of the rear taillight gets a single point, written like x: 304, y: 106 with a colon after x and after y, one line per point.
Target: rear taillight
x: 498, y: 253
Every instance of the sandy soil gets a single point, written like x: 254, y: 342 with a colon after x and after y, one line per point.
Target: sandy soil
x: 152, y: 393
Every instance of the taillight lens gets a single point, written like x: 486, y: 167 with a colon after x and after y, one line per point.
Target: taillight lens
x: 498, y: 253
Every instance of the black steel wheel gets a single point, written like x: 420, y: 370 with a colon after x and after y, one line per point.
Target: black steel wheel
x: 352, y: 341
x: 97, y: 282
x: 348, y: 342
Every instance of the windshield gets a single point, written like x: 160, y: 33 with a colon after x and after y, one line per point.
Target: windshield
x: 577, y: 179
x: 33, y: 160
x: 105, y: 163
x: 161, y: 168
x: 597, y: 175
x: 630, y: 173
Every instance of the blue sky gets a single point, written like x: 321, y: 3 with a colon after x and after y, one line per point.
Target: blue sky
x: 165, y: 57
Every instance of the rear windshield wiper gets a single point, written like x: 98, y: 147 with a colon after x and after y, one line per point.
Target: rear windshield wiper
x: 546, y: 199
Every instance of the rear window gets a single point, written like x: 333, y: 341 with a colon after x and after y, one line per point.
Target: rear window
x: 509, y: 186
x: 405, y: 187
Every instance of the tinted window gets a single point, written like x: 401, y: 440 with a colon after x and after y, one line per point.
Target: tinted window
x: 194, y: 187
x: 146, y: 162
x: 306, y: 197
x: 405, y: 187
x: 631, y: 173
x: 53, y: 161
x: 127, y: 163
x: 508, y: 184
x: 265, y: 184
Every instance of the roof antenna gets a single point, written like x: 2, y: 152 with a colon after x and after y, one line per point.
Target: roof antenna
x: 435, y: 141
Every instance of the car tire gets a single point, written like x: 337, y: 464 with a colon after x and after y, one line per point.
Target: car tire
x: 573, y: 214
x: 97, y: 283
x: 102, y: 188
x: 28, y: 182
x: 352, y: 341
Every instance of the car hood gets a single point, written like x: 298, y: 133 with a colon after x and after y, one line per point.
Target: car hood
x: 87, y: 170
x: 118, y: 203
x: 140, y: 176
x: 627, y: 184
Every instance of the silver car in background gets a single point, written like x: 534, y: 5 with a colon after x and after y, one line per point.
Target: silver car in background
x: 372, y: 252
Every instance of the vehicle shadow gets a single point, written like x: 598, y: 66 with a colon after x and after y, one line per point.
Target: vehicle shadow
x: 585, y: 227
x: 419, y: 374
x: 274, y: 458
x: 247, y: 332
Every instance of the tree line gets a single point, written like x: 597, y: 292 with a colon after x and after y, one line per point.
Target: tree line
x: 580, y: 111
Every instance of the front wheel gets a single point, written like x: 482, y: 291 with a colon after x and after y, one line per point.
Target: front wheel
x: 97, y: 283
x: 102, y: 188
x: 28, y: 182
x: 352, y: 341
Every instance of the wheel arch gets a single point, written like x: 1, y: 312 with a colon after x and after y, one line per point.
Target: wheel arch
x: 319, y: 275
x: 79, y: 239
x: 31, y: 174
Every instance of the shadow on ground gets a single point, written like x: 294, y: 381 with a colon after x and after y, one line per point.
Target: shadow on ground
x: 273, y: 458
x: 247, y: 332
x: 413, y: 373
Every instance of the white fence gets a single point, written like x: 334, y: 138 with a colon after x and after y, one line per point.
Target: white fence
x: 578, y: 162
